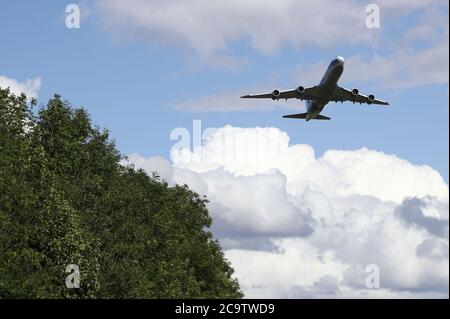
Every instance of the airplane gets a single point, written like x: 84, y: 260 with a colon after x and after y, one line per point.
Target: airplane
x: 318, y: 96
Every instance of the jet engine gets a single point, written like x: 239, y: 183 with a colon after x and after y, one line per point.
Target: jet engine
x: 355, y: 91
x: 275, y: 94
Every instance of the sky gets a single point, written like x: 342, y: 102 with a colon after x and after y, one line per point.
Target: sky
x: 145, y: 69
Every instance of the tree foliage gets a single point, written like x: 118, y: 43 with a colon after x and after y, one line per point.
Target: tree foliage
x: 66, y: 199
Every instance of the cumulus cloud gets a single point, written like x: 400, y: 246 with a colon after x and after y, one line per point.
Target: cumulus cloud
x: 296, y: 225
x: 155, y: 164
x: 411, y: 211
x: 30, y: 87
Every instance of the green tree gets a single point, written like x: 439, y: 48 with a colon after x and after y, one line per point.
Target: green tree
x: 66, y: 199
x: 40, y: 233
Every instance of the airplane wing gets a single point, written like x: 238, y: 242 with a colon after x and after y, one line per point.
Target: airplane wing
x: 310, y: 93
x: 341, y: 94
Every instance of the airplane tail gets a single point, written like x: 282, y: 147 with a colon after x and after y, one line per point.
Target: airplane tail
x: 304, y: 115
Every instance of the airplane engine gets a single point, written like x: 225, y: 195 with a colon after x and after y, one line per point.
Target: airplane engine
x: 355, y: 91
x: 300, y: 89
x: 371, y: 97
x: 275, y: 94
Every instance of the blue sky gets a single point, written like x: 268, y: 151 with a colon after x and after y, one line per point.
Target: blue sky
x: 132, y: 86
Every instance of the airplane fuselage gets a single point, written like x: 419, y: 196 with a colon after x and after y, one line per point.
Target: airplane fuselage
x: 327, y: 86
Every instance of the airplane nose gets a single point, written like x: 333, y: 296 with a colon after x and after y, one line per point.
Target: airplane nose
x: 340, y: 59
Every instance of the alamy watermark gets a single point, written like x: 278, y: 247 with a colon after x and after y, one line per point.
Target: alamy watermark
x: 73, y: 16
x: 73, y: 279
x: 373, y: 277
x: 373, y: 16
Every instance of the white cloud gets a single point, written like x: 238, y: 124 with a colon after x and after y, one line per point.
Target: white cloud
x: 294, y: 225
x: 247, y: 152
x: 153, y: 164
x: 208, y: 27
x: 30, y: 87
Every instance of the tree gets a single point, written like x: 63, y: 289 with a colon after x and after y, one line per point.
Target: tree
x: 66, y: 199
